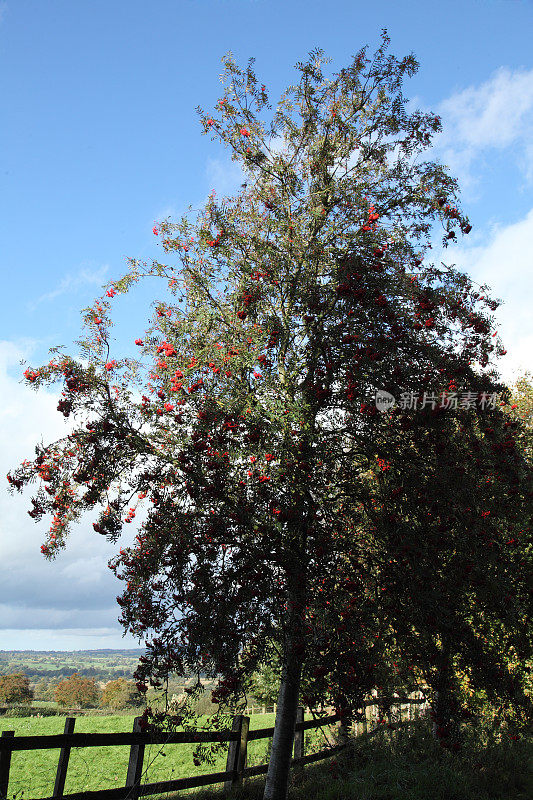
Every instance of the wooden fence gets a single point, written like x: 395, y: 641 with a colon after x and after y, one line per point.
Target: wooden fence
x: 372, y: 704
x: 237, y: 739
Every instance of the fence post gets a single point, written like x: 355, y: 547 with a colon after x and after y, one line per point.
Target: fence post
x: 365, y: 718
x: 299, y: 744
x: 135, y: 765
x: 62, y: 765
x: 236, y: 760
x: 5, y: 763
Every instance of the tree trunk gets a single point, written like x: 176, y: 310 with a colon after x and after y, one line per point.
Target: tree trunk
x: 294, y: 646
x: 445, y: 727
x: 277, y: 780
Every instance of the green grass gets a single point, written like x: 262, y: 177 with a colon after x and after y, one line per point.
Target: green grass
x: 44, y: 704
x: 33, y: 771
x: 403, y: 765
x: 409, y: 765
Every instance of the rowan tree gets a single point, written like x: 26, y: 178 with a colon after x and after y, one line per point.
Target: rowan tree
x: 249, y: 416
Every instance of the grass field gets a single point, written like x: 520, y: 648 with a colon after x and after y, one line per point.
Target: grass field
x: 33, y: 771
x: 405, y: 765
x: 410, y: 765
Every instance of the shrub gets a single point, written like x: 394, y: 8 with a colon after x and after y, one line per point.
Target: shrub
x: 119, y: 694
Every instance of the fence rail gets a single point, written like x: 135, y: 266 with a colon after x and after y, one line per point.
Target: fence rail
x: 237, y: 738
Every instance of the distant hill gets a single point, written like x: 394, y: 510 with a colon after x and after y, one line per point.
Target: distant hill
x: 106, y: 651
x: 42, y: 666
x: 102, y: 665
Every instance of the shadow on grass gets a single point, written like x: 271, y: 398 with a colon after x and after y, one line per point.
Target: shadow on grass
x: 408, y: 765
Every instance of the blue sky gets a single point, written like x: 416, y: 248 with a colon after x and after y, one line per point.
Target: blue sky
x: 100, y: 138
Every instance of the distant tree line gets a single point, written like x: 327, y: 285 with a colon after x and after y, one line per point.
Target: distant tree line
x: 99, y: 674
x: 80, y: 691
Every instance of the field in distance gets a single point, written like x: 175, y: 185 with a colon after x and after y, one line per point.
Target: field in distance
x: 98, y: 664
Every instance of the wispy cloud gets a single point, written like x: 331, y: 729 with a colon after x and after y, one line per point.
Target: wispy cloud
x: 505, y: 263
x: 71, y: 283
x: 496, y: 115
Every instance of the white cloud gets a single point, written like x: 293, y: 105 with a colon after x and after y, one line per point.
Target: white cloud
x: 24, y: 414
x: 14, y: 616
x: 497, y: 115
x: 71, y: 283
x: 505, y: 263
x: 77, y: 590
